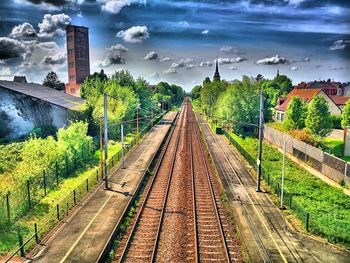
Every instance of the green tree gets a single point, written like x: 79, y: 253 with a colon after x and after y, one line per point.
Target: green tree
x: 196, y: 92
x: 52, y: 81
x: 296, y: 114
x: 346, y: 115
x: 318, y: 119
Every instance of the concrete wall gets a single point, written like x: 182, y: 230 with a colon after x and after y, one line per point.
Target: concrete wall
x: 329, y: 165
x: 21, y: 113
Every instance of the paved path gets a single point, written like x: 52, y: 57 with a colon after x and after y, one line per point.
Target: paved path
x: 87, y: 232
x: 267, y: 235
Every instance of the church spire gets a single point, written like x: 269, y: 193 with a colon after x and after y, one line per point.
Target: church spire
x: 216, y: 74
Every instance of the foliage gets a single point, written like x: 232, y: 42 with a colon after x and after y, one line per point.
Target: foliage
x: 52, y: 81
x: 10, y: 155
x: 296, y: 114
x: 196, y: 92
x: 318, y: 117
x: 306, y: 136
x: 336, y: 121
x: 346, y: 115
x: 281, y: 85
x: 328, y: 206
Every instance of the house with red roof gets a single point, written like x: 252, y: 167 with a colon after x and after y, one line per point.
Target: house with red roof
x: 335, y: 103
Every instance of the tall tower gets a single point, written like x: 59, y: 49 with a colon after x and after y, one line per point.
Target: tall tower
x: 216, y: 74
x: 77, y: 57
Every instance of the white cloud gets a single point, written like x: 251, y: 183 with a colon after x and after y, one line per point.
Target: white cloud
x: 59, y: 58
x: 135, y: 34
x: 340, y: 44
x: 52, y: 25
x: 230, y: 49
x: 114, y: 6
x: 231, y: 60
x: 151, y: 56
x: 114, y: 56
x: 170, y: 71
x: 118, y: 47
x: 294, y: 68
x: 306, y: 59
x: 164, y: 59
x: 273, y: 60
x: 48, y: 45
x: 206, y: 64
x: 182, y: 63
x: 205, y: 32
x: 23, y: 31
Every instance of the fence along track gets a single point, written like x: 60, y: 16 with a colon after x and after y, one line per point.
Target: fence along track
x: 211, y: 245
x: 142, y: 245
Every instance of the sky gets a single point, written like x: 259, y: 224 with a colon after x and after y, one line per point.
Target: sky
x: 178, y: 41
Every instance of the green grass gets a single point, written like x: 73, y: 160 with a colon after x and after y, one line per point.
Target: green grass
x: 335, y: 147
x: 278, y: 126
x: 329, y: 207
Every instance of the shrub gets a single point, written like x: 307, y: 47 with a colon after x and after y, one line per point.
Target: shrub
x: 296, y: 114
x: 336, y: 121
x: 306, y: 136
x: 318, y: 117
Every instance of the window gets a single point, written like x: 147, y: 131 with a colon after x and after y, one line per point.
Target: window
x: 69, y: 38
x: 71, y: 77
x: 71, y: 64
x: 70, y: 51
x: 282, y: 116
x: 278, y: 116
x: 72, y: 91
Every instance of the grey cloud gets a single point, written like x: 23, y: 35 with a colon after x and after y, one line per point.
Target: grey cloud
x: 182, y: 63
x: 53, y: 25
x: 135, y: 34
x: 230, y: 49
x: 294, y: 68
x: 59, y: 58
x: 170, y: 71
x: 11, y: 48
x: 48, y: 45
x: 47, y: 2
x: 231, y: 60
x: 151, y: 56
x: 118, y: 47
x: 273, y: 60
x: 205, y: 64
x: 114, y: 56
x: 23, y: 31
x: 164, y: 59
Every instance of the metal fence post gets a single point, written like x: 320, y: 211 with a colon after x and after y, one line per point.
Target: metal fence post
x: 28, y: 194
x: 44, y: 175
x: 36, y: 233
x: 87, y: 184
x: 58, y: 211
x: 307, y: 221
x: 97, y: 175
x: 268, y: 178
x: 8, y: 206
x: 74, y: 197
x: 56, y: 168
x: 20, y: 241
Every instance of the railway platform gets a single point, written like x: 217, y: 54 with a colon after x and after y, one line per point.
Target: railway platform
x: 267, y: 235
x: 88, y: 231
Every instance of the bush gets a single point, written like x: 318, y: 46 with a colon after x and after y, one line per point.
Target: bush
x: 306, y: 136
x: 336, y: 121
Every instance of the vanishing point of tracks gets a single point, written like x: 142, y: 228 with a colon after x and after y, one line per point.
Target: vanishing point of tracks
x: 181, y: 218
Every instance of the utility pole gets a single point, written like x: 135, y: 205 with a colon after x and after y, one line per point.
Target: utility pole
x: 122, y: 133
x: 101, y: 147
x: 283, y: 167
x: 105, y: 138
x: 261, y: 123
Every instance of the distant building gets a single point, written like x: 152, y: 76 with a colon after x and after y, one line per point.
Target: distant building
x: 24, y: 106
x: 331, y: 88
x: 216, y: 74
x: 335, y: 103
x: 20, y: 79
x: 77, y: 57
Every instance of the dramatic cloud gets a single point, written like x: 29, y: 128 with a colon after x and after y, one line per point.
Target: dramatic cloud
x: 340, y: 45
x: 11, y: 48
x: 151, y: 56
x: 205, y: 32
x: 294, y: 68
x: 164, y: 59
x: 23, y: 31
x: 53, y: 25
x: 59, y: 58
x: 170, y: 71
x: 273, y: 60
x: 206, y: 64
x: 48, y: 45
x: 114, y: 6
x: 231, y: 60
x: 114, y: 56
x: 135, y: 34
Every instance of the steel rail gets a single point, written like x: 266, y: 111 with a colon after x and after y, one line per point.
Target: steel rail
x: 125, y: 250
x: 222, y: 234
x: 154, y: 252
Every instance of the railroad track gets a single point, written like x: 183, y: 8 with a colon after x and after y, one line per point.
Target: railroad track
x: 285, y: 251
x: 143, y: 238
x: 212, y: 241
x: 156, y: 233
